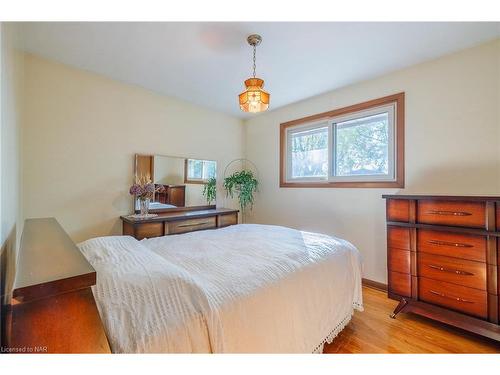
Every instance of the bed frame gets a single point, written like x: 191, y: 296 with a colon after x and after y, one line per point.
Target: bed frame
x: 50, y: 307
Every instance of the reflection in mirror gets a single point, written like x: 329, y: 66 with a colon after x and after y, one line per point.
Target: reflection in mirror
x: 179, y: 181
x: 199, y: 171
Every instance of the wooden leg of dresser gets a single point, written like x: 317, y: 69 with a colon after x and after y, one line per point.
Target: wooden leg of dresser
x: 399, y: 307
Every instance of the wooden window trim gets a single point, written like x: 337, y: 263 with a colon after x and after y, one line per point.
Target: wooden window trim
x: 189, y: 181
x: 398, y: 99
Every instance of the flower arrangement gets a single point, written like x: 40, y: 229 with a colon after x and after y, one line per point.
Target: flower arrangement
x: 143, y: 188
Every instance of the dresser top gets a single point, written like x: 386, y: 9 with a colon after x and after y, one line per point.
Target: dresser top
x: 444, y: 197
x: 179, y: 215
x: 49, y: 262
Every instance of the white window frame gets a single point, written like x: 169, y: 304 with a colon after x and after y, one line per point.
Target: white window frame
x: 299, y: 129
x: 330, y: 123
x: 193, y: 180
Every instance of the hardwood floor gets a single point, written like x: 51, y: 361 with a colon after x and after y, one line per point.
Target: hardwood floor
x: 372, y: 331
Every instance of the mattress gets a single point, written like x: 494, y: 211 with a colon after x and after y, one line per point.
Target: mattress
x: 246, y: 288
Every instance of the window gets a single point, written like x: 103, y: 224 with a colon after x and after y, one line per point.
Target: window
x: 199, y: 171
x: 357, y: 146
x: 309, y: 153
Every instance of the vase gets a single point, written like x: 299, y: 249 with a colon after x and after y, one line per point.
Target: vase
x: 144, y: 206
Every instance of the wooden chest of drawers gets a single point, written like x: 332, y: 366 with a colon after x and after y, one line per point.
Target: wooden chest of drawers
x: 179, y: 222
x: 443, y: 259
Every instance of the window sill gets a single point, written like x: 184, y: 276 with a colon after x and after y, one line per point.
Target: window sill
x: 200, y: 182
x: 344, y: 184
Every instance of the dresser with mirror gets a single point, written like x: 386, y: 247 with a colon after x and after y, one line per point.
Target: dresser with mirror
x: 178, y: 204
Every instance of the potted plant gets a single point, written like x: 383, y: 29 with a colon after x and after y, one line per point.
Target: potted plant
x: 244, y: 184
x: 210, y: 190
x: 144, y: 190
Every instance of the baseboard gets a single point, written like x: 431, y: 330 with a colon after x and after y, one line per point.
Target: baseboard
x: 374, y: 284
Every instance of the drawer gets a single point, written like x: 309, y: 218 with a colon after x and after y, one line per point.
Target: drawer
x: 460, y: 298
x: 398, y: 260
x: 453, y: 213
x: 452, y: 270
x: 400, y: 283
x: 184, y: 226
x: 398, y: 210
x: 228, y: 219
x: 466, y: 246
x: 398, y: 237
x: 148, y: 230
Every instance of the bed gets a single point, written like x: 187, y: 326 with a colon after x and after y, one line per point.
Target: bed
x: 160, y: 206
x: 246, y: 288
x: 157, y: 206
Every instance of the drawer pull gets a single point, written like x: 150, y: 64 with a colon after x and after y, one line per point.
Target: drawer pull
x: 449, y: 297
x: 193, y: 225
x: 445, y: 243
x: 449, y: 213
x: 458, y: 272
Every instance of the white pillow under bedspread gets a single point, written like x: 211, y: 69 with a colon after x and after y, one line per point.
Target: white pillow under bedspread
x: 147, y: 305
x: 251, y: 288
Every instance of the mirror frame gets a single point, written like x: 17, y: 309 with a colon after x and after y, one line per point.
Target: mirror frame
x: 173, y: 209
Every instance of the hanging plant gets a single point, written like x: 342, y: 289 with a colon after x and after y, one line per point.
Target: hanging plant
x: 244, y: 184
x: 210, y: 190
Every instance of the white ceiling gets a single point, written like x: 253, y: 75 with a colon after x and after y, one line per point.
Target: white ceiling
x: 206, y: 63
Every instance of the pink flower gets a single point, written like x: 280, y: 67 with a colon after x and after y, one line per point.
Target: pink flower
x: 149, y: 188
x: 136, y: 189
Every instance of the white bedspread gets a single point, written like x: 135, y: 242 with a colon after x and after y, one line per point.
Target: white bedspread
x: 244, y: 288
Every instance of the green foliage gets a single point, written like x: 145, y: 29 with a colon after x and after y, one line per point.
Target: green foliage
x: 309, y: 142
x: 362, y: 147
x: 210, y: 190
x: 310, y: 153
x: 244, y: 184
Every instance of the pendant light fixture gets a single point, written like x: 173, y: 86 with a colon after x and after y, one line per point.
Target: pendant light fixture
x: 254, y: 98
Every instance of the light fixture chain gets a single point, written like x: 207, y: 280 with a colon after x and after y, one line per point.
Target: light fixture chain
x: 254, y: 64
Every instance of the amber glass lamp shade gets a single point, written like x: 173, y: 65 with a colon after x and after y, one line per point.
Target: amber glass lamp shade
x: 254, y: 98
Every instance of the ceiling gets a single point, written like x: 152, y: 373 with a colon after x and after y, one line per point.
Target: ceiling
x: 206, y: 63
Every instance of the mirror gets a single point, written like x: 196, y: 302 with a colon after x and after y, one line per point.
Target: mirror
x: 179, y: 181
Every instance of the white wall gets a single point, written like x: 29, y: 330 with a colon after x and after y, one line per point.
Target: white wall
x: 11, y: 67
x: 10, y: 133
x: 452, y: 146
x: 82, y: 131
